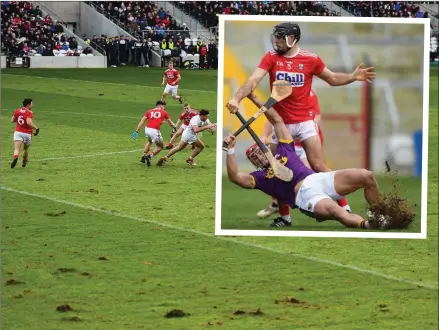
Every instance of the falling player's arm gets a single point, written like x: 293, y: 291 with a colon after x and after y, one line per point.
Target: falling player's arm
x: 274, y: 119
x: 266, y: 132
x: 250, y: 85
x: 243, y: 180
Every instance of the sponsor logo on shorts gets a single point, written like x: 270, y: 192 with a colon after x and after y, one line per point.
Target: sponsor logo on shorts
x: 309, y: 206
x: 296, y: 79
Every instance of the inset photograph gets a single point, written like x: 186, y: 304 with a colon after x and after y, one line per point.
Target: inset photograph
x: 324, y: 126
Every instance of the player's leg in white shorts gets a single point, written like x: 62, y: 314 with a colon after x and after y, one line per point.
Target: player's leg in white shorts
x: 168, y: 89
x: 315, y: 188
x: 153, y: 134
x: 26, y: 138
x: 301, y: 131
x: 188, y: 137
x: 174, y: 90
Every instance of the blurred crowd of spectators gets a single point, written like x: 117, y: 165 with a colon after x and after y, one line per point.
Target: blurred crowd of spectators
x: 155, y: 29
x: 140, y: 16
x: 126, y: 50
x: 383, y: 9
x: 25, y: 32
x: 207, y: 12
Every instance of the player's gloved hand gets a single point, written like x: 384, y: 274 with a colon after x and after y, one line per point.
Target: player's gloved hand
x: 134, y: 135
x: 36, y: 132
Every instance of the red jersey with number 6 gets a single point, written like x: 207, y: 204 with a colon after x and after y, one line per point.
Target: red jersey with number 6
x: 172, y: 76
x: 299, y: 71
x: 187, y: 116
x: 156, y: 117
x: 20, y: 117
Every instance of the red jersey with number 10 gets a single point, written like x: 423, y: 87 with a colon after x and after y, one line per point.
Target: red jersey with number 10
x: 187, y: 116
x: 172, y: 76
x: 156, y: 117
x: 20, y: 117
x: 299, y: 71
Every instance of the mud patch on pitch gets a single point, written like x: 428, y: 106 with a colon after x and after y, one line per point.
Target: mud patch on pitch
x: 176, y: 313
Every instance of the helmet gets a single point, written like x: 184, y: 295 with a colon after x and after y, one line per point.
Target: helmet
x: 256, y: 156
x: 284, y: 30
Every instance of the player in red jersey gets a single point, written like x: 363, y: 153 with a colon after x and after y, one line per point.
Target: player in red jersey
x: 173, y: 77
x: 286, y: 61
x: 23, y: 131
x: 154, y: 119
x: 185, y: 117
x: 274, y: 207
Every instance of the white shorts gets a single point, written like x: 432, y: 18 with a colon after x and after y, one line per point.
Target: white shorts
x: 300, y: 152
x: 25, y: 137
x: 183, y: 127
x: 314, y: 188
x: 153, y: 134
x: 300, y: 131
x: 170, y: 88
x: 188, y: 136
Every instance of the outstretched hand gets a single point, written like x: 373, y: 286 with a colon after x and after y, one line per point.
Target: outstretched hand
x: 366, y: 74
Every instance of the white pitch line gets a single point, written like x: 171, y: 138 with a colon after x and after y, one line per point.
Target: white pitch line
x: 262, y: 247
x: 87, y: 155
x: 89, y: 114
x: 80, y: 114
x: 110, y: 83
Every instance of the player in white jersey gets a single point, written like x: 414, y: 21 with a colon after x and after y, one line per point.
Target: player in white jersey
x: 196, y: 125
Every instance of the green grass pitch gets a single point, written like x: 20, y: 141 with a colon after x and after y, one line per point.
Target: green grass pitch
x: 85, y: 224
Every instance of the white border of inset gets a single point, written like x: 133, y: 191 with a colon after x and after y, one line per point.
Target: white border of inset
x: 220, y: 109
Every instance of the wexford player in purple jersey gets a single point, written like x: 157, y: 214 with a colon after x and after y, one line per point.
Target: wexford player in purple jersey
x: 315, y: 194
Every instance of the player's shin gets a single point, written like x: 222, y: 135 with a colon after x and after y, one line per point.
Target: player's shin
x: 371, y: 189
x: 284, y: 212
x: 25, y: 155
x: 354, y: 221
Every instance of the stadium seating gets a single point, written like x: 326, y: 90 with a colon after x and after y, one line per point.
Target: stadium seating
x: 26, y: 33
x: 383, y: 9
x: 206, y: 12
x: 143, y: 18
x: 434, y: 55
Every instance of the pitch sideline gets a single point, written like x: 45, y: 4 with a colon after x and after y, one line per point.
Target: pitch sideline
x: 163, y: 224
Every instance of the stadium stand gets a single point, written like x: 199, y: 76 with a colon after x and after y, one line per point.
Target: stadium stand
x: 140, y: 16
x: 25, y: 32
x: 383, y: 9
x: 434, y: 55
x: 156, y: 27
x: 206, y: 12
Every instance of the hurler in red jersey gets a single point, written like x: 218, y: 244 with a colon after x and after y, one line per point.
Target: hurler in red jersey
x: 24, y: 128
